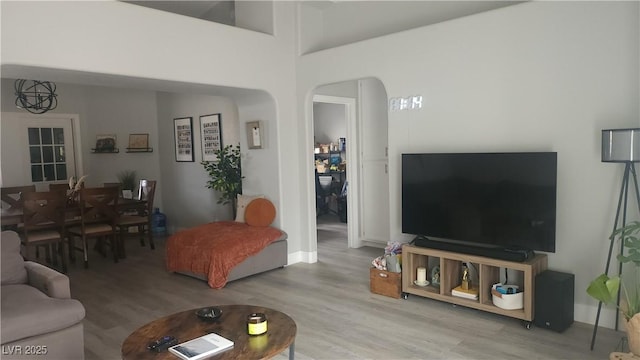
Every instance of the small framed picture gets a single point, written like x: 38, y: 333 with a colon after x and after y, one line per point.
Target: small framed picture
x: 138, y: 142
x: 210, y: 136
x: 254, y: 135
x: 183, y: 135
x: 105, y: 143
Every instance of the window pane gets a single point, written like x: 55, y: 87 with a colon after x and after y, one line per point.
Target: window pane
x: 34, y: 136
x: 34, y: 153
x: 60, y: 154
x: 61, y: 171
x: 47, y: 137
x: 47, y: 154
x: 36, y: 173
x: 58, y: 135
x: 49, y: 172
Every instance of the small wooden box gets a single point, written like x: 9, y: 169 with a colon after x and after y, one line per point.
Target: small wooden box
x: 385, y: 283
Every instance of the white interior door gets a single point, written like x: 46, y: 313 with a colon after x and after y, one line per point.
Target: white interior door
x: 374, y: 161
x: 37, y: 149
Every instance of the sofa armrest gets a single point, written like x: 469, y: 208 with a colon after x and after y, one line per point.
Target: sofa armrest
x: 47, y: 280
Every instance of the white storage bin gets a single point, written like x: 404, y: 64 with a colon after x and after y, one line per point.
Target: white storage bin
x: 508, y: 301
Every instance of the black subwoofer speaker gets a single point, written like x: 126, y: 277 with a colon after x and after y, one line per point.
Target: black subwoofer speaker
x: 554, y: 300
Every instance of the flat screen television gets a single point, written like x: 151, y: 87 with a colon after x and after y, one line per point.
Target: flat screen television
x: 497, y: 200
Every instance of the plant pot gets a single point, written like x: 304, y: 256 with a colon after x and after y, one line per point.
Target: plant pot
x: 633, y: 334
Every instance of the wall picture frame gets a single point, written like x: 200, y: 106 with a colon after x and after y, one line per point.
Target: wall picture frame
x: 138, y: 142
x: 183, y: 136
x: 106, y: 143
x: 255, y: 138
x: 210, y: 136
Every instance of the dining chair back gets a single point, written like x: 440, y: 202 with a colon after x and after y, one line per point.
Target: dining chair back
x: 63, y: 186
x: 146, y: 191
x: 43, y: 222
x: 10, y: 197
x: 116, y: 184
x: 141, y: 220
x: 98, y: 216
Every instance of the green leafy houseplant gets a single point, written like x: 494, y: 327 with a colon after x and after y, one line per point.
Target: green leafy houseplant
x: 605, y: 288
x: 128, y: 179
x: 226, y: 175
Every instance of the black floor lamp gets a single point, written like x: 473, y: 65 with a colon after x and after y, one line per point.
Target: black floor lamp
x: 620, y: 146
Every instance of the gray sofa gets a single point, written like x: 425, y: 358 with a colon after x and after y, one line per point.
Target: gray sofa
x: 38, y: 318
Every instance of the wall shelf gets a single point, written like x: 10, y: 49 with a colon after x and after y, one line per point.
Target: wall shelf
x: 139, y: 150
x: 112, y: 151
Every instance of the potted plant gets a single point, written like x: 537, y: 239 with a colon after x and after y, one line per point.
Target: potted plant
x: 605, y: 288
x: 226, y: 175
x: 128, y: 180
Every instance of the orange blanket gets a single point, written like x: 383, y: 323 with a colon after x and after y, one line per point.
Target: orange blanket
x: 214, y: 249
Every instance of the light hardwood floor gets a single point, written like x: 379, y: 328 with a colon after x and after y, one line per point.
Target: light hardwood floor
x: 336, y: 314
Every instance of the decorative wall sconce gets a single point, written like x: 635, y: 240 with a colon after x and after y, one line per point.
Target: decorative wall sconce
x: 37, y: 97
x: 254, y: 135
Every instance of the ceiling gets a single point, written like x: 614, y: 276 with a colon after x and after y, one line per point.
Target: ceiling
x: 373, y: 17
x: 216, y: 11
x: 375, y: 21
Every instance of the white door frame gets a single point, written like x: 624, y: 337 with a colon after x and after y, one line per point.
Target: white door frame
x: 353, y: 198
x: 75, y: 124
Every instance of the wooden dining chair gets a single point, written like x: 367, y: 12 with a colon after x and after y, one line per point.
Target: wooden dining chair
x: 43, y: 223
x: 98, y: 216
x: 11, y: 196
x: 11, y: 204
x: 63, y: 186
x: 141, y: 220
x: 116, y: 184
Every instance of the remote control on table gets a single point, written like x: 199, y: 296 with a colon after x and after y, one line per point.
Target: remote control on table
x: 162, y: 344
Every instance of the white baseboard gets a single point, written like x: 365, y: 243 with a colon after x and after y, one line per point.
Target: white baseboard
x: 587, y: 314
x: 308, y: 257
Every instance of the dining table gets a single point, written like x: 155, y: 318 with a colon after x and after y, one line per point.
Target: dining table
x: 12, y: 217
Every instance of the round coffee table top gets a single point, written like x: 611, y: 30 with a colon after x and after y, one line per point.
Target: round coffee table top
x: 281, y: 333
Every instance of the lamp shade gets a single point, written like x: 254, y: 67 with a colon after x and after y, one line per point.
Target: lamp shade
x: 621, y: 145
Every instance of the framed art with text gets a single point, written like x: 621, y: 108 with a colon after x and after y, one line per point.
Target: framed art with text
x: 183, y: 135
x: 210, y: 136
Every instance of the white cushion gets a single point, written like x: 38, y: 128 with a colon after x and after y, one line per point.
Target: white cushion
x: 243, y: 201
x: 13, y: 271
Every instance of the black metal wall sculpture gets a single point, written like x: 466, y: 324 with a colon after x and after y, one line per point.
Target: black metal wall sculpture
x: 37, y: 97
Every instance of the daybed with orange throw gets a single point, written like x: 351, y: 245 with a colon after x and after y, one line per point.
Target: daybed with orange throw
x: 223, y: 251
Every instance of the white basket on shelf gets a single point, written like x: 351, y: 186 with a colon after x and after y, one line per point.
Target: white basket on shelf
x: 507, y: 301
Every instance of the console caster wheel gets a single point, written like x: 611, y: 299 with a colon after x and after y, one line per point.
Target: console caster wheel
x: 527, y: 325
x: 405, y: 296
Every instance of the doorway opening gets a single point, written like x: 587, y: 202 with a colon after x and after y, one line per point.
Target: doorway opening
x: 330, y: 120
x: 361, y: 107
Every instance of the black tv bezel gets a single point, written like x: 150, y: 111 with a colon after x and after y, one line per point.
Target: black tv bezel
x: 550, y: 246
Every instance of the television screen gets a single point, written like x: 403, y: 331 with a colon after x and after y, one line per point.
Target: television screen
x: 503, y: 200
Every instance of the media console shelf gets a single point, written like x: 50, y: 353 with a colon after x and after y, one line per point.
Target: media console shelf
x: 450, y: 264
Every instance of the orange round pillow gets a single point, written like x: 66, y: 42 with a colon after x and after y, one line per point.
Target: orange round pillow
x: 260, y: 212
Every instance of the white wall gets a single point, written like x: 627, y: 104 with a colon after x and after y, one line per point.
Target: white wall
x: 120, y: 112
x: 122, y: 41
x: 329, y: 122
x: 255, y: 15
x: 189, y: 201
x: 330, y: 24
x: 106, y: 110
x: 542, y: 76
x: 535, y: 76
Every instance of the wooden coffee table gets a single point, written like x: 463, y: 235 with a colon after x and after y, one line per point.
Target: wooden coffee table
x: 281, y: 333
